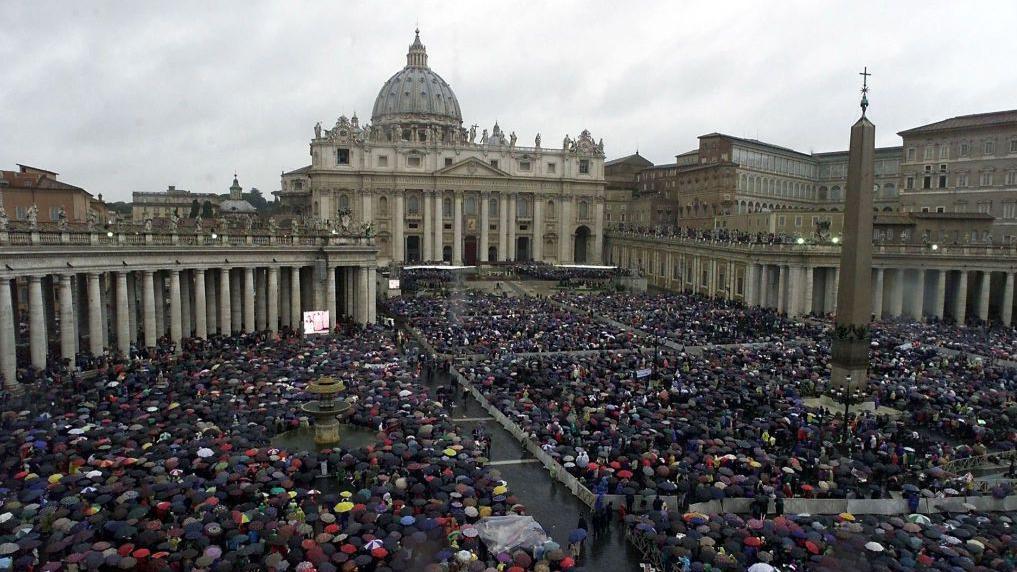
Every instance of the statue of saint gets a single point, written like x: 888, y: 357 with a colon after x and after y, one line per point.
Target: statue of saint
x: 317, y: 130
x: 33, y: 217
x: 473, y: 133
x: 62, y: 219
x: 536, y: 141
x: 565, y: 142
x: 197, y: 224
x: 483, y: 137
x: 512, y: 139
x: 91, y: 219
x: 174, y: 221
x: 4, y: 221
x: 148, y: 224
x: 273, y: 226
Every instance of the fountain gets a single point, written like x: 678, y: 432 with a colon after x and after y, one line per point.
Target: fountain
x: 326, y: 409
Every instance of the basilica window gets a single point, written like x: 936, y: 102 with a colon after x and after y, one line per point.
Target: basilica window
x: 413, y: 161
x: 344, y: 202
x: 584, y: 166
x: 549, y: 210
x: 448, y: 161
x: 297, y: 185
x: 471, y: 206
x: 413, y: 205
x: 584, y: 210
x: 383, y: 206
x: 446, y: 208
x: 492, y: 208
x: 522, y: 208
x: 383, y: 160
x: 524, y: 165
x: 342, y: 156
x: 551, y: 167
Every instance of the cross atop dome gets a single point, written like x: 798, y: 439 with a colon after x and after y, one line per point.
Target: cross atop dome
x: 417, y: 56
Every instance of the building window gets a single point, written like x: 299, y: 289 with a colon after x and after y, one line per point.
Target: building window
x: 942, y: 181
x: 551, y: 167
x: 944, y: 151
x: 448, y: 161
x: 985, y: 207
x: 584, y: 210
x: 549, y: 210
x: 298, y: 184
x: 492, y: 208
x: 1010, y: 210
x: 584, y: 166
x: 925, y: 209
x: 471, y: 206
x: 909, y: 183
x: 990, y: 147
x: 911, y: 154
x: 1011, y: 178
x: 21, y: 213
x: 54, y: 213
x: 928, y: 152
x: 926, y: 182
x: 962, y: 180
x: 1013, y: 145
x: 985, y: 180
x: 383, y: 206
x: 964, y: 150
x: 522, y: 208
x: 446, y: 208
x: 940, y: 209
x: 413, y: 161
x: 413, y: 205
x: 524, y: 165
x: 344, y: 202
x: 383, y: 160
x: 342, y: 156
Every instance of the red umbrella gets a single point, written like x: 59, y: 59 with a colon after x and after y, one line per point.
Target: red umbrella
x: 811, y: 547
x: 753, y: 541
x: 626, y: 474
x: 379, y: 552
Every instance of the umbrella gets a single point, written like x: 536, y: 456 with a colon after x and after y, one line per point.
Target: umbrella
x: 577, y: 535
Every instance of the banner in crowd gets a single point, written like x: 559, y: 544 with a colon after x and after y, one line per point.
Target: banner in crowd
x: 316, y: 322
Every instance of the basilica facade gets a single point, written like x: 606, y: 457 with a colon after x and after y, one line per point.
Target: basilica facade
x: 434, y: 190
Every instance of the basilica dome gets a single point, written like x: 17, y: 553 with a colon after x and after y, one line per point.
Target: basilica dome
x: 416, y: 94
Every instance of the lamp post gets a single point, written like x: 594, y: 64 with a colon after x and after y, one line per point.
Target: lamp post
x: 848, y: 396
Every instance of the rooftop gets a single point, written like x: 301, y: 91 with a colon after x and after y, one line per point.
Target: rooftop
x: 973, y: 121
x: 756, y: 142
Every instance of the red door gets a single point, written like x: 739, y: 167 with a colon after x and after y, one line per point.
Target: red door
x: 470, y: 251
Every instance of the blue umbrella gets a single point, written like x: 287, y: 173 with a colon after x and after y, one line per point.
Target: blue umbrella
x: 577, y: 535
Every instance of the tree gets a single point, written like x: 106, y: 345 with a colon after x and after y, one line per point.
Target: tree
x: 195, y: 209
x: 206, y: 210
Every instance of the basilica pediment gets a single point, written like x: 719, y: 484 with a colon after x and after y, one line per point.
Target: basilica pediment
x: 472, y: 167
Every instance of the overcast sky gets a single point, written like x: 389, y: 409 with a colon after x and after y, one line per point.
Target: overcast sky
x: 128, y: 96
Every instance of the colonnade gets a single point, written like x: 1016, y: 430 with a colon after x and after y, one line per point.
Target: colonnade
x: 117, y: 309
x: 548, y: 219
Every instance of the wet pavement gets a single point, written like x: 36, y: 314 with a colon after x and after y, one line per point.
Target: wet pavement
x: 547, y: 500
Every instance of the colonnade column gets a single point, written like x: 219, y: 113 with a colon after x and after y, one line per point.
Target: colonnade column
x: 261, y: 299
x: 503, y: 208
x: 349, y: 289
x: 159, y: 283
x: 918, y: 298
x: 810, y: 282
x: 200, y: 321
x: 296, y: 318
x: 8, y: 350
x: 95, y: 315
x: 273, y: 299
x: 362, y: 312
x: 176, y: 327
x: 236, y: 302
x: 37, y: 322
x: 795, y: 283
x: 457, y: 229
x: 330, y: 304
x: 372, y: 294
x: 877, y: 294
x: 212, y: 307
x: 225, y: 303
x: 563, y: 234
x: 249, y: 287
x: 439, y: 226
x: 398, y: 240
x: 781, y: 289
x: 537, y: 248
x: 897, y: 293
x: 960, y: 300
x: 751, y: 288
x: 984, y: 287
x: 511, y: 228
x: 485, y: 226
x: 1006, y: 311
x: 67, y: 345
x: 598, y: 233
x: 186, y: 308
x: 132, y: 304
x: 764, y: 286
x: 939, y: 299
x: 148, y: 293
x: 123, y: 320
x: 428, y: 240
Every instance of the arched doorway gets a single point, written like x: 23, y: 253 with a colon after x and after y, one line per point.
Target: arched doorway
x: 492, y: 254
x: 523, y: 248
x: 446, y: 254
x: 470, y: 251
x: 582, y: 245
x: 412, y: 249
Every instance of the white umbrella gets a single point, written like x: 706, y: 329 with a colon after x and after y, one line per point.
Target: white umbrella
x: 205, y: 452
x: 761, y: 567
x: 874, y: 546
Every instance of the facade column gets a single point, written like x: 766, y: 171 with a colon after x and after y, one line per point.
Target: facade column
x: 1006, y: 310
x: 159, y: 281
x: 398, y: 238
x: 330, y: 304
x: 439, y: 226
x: 564, y: 235
x: 176, y: 325
x: 67, y: 345
x: 132, y: 303
x: 877, y: 294
x: 537, y: 248
x: 711, y: 280
x: 200, y: 309
x: 212, y: 299
x: 836, y: 287
x: 249, y: 287
x: 782, y: 289
x: 94, y: 315
x: 939, y: 299
x: 427, y: 228
x: 8, y: 341
x: 225, y: 303
x: 794, y: 287
x: 830, y: 294
x: 984, y: 289
x: 960, y: 300
x: 236, y: 301
x: 485, y: 226
x: 457, y: 229
x: 511, y: 229
x: 148, y: 293
x: 372, y: 294
x: 751, y: 276
x: 764, y: 285
x: 284, y: 298
x: 37, y: 322
x: 273, y: 299
x: 296, y: 317
x: 261, y: 299
x: 363, y: 288
x: 598, y: 233
x: 897, y: 294
x: 918, y: 298
x: 503, y: 208
x: 186, y: 306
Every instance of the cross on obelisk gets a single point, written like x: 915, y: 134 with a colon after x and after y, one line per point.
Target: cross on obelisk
x: 865, y: 88
x: 851, y: 335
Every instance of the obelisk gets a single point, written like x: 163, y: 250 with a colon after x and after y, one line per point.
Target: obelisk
x: 851, y: 335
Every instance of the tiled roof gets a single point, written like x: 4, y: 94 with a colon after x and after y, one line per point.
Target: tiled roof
x: 300, y: 171
x: 966, y: 122
x: 16, y: 180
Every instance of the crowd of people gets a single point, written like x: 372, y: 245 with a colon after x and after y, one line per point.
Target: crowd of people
x: 475, y: 323
x: 690, y: 319
x: 167, y: 463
